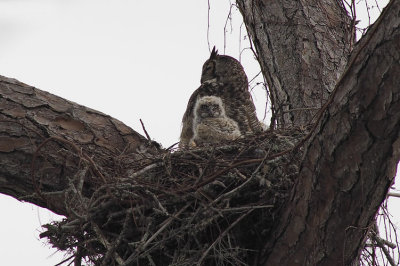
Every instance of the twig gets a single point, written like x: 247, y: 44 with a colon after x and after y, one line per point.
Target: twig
x: 381, y: 244
x: 385, y: 242
x: 227, y: 194
x: 105, y: 243
x: 223, y: 234
x: 119, y: 239
x: 255, y: 75
x: 237, y: 209
x: 170, y: 147
x: 208, y: 25
x: 78, y: 256
x: 228, y: 18
x: 67, y: 259
x: 212, y: 177
x: 368, y: 8
x: 145, y: 169
x: 163, y: 210
x: 394, y: 194
x: 165, y: 224
x: 240, y: 174
x: 145, y: 131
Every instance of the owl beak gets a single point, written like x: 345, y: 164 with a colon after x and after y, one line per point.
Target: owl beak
x: 211, y: 80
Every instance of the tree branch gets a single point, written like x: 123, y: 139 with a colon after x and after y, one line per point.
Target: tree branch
x: 39, y: 131
x: 350, y: 161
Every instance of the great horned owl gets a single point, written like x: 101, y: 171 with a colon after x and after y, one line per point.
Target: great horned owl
x: 210, y: 123
x: 224, y: 77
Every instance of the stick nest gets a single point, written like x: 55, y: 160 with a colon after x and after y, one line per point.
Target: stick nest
x: 213, y: 205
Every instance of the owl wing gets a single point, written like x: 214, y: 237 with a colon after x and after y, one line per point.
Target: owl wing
x: 231, y: 129
x: 251, y: 115
x: 205, y: 89
x: 215, y: 130
x: 239, y: 106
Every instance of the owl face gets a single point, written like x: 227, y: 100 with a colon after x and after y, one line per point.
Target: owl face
x: 209, y: 107
x: 208, y: 72
x: 209, y: 110
x: 222, y: 68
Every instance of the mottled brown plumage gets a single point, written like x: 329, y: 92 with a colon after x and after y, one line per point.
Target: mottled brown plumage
x: 224, y: 77
x: 210, y: 123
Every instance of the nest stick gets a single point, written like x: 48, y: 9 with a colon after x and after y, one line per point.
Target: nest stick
x: 222, y: 235
x: 105, y: 243
x: 145, y: 131
x: 162, y: 228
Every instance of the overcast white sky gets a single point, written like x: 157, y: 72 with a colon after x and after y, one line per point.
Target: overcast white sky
x: 127, y: 58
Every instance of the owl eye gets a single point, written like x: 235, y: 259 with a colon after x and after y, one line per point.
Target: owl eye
x: 208, y: 66
x: 204, y: 109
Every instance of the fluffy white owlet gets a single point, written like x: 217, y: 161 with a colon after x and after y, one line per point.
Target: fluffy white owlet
x: 210, y: 123
x: 223, y: 76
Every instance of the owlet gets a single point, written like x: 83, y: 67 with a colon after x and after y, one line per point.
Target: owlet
x: 223, y: 77
x: 210, y: 123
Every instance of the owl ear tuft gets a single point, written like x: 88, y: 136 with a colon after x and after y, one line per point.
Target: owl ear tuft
x: 214, y: 53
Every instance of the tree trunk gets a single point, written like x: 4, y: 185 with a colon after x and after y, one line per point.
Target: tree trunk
x: 302, y: 48
x: 350, y: 155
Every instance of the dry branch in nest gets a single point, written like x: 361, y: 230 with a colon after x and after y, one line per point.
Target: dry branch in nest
x: 381, y: 248
x: 213, y: 205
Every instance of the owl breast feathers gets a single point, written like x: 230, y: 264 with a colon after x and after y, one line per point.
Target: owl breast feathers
x: 210, y: 123
x: 223, y: 76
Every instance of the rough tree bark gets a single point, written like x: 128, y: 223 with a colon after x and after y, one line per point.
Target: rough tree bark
x: 302, y: 48
x: 34, y: 128
x: 351, y: 153
x: 351, y: 159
